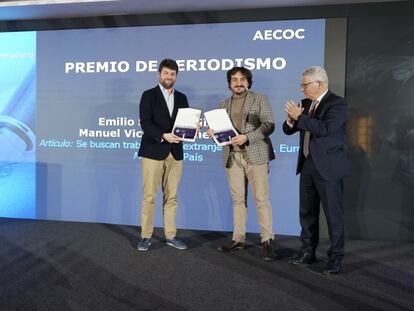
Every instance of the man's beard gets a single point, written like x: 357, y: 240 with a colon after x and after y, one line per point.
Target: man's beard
x: 240, y: 90
x: 167, y: 85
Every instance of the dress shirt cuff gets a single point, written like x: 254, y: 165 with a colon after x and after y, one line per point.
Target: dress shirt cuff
x: 290, y: 124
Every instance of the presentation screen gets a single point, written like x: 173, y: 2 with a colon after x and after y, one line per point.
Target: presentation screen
x: 70, y: 126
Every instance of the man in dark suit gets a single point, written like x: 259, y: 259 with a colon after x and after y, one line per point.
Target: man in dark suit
x: 162, y: 154
x: 322, y: 163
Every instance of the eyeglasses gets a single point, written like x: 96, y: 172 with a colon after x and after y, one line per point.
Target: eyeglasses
x: 305, y: 85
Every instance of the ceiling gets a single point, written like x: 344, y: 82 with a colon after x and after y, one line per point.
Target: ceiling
x: 20, y: 10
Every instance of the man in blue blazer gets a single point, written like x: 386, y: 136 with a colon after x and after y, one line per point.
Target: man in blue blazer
x: 322, y: 163
x: 161, y: 154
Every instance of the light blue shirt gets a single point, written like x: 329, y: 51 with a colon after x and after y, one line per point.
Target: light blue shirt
x: 169, y: 98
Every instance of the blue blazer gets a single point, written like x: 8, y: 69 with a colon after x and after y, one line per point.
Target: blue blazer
x: 327, y: 145
x: 155, y: 121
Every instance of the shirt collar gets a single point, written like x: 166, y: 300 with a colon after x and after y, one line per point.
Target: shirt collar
x: 164, y: 90
x: 321, y: 96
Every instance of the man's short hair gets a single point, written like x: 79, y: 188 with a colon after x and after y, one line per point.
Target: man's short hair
x: 317, y: 73
x: 168, y: 63
x: 244, y: 71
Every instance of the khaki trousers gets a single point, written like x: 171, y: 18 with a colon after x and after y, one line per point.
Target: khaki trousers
x: 239, y: 175
x: 153, y: 172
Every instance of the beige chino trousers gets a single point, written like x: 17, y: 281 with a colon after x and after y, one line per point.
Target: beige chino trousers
x: 239, y: 175
x: 154, y: 172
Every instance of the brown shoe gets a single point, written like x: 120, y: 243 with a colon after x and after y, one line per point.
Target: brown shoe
x: 268, y: 253
x: 232, y: 246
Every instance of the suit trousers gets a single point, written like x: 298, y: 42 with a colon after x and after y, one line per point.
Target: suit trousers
x: 154, y: 172
x: 314, y: 190
x: 239, y: 175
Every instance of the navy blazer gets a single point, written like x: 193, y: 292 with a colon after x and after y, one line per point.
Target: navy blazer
x: 327, y: 145
x: 155, y: 121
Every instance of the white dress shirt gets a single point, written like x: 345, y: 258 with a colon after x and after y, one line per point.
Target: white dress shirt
x: 169, y: 98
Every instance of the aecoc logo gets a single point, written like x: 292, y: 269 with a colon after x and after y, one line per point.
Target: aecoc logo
x: 279, y: 34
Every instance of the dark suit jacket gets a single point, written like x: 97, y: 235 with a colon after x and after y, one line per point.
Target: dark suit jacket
x: 155, y: 121
x: 327, y: 145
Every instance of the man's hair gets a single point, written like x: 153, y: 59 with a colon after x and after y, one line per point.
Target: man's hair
x: 317, y: 73
x: 244, y: 71
x: 168, y: 63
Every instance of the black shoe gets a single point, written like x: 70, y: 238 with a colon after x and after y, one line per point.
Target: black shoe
x: 268, y: 253
x: 144, y: 245
x: 303, y: 258
x: 232, y: 246
x: 333, y: 266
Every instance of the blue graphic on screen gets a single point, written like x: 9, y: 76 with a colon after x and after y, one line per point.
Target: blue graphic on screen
x: 17, y: 119
x: 89, y: 83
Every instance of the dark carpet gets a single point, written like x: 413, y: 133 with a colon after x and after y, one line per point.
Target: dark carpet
x: 48, y: 265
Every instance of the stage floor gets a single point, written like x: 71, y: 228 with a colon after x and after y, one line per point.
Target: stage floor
x: 49, y: 265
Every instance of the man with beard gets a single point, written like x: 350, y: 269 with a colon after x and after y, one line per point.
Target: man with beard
x: 162, y: 154
x: 246, y: 159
